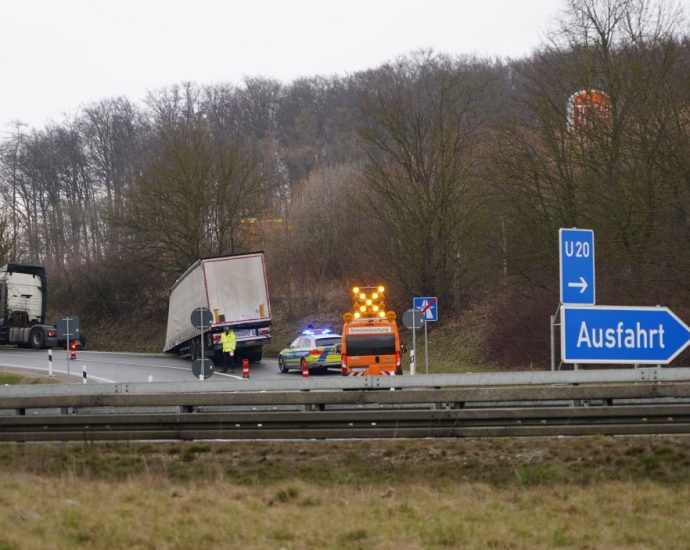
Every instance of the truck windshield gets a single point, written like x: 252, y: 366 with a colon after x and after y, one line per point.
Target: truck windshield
x: 379, y: 344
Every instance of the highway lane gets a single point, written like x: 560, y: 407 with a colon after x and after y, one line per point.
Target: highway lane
x: 105, y: 367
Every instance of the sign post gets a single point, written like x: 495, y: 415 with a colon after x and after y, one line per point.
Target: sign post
x: 202, y: 318
x: 428, y: 306
x: 620, y: 334
x: 67, y: 327
x: 413, y: 319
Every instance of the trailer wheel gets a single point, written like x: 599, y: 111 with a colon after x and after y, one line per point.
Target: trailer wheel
x: 37, y: 338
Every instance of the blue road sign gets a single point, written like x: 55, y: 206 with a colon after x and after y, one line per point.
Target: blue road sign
x: 576, y: 251
x: 428, y: 305
x: 619, y: 334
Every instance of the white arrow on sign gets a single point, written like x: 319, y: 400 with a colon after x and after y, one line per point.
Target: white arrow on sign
x: 582, y: 285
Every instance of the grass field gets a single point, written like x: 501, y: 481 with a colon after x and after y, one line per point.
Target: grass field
x: 590, y: 492
x: 584, y: 493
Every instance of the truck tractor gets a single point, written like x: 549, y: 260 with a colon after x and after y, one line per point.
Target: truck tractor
x: 23, y: 299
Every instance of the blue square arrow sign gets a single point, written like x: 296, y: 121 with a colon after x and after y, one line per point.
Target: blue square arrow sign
x: 576, y: 252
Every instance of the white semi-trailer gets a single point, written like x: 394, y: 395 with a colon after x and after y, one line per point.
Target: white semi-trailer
x: 235, y: 290
x: 23, y: 300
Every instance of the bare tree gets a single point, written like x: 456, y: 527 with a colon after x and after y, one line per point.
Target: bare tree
x: 607, y: 174
x: 195, y: 189
x: 422, y: 131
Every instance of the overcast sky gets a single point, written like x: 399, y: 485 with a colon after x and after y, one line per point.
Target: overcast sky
x: 58, y: 55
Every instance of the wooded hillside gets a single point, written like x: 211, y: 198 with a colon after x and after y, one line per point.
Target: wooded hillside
x: 436, y: 174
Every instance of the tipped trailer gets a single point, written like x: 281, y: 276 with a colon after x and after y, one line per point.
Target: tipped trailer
x: 235, y: 290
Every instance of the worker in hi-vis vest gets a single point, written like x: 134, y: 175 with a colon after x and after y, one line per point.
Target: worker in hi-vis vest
x: 229, y: 341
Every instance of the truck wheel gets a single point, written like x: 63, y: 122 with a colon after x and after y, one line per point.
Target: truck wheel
x: 37, y: 338
x: 255, y: 354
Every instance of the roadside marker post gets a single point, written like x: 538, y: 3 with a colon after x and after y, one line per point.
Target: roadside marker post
x: 83, y: 374
x: 50, y: 362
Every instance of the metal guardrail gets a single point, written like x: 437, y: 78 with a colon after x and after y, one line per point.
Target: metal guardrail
x: 527, y: 378
x: 645, y: 400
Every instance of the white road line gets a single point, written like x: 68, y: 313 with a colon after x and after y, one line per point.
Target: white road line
x: 145, y: 365
x: 229, y: 375
x: 59, y: 358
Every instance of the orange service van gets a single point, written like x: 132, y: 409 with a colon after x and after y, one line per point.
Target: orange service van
x: 370, y: 343
x: 370, y: 347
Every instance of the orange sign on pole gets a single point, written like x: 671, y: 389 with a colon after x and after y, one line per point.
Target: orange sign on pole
x: 586, y: 107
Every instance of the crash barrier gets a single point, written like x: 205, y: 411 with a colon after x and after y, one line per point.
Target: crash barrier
x: 438, y: 381
x: 111, y: 412
x: 620, y: 401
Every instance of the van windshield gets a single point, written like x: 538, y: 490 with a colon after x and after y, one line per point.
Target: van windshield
x: 379, y: 344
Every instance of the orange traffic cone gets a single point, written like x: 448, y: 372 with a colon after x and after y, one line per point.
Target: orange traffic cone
x: 245, y: 367
x: 73, y: 349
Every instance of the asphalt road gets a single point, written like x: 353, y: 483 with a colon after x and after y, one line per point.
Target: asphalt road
x: 127, y: 367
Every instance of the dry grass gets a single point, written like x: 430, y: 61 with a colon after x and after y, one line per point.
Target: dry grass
x: 12, y: 376
x: 492, y: 493
x: 155, y: 513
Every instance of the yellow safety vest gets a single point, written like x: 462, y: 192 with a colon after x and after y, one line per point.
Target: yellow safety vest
x: 228, y: 340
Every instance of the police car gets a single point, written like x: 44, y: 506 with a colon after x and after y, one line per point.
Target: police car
x: 313, y: 349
